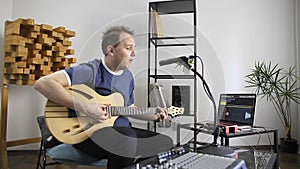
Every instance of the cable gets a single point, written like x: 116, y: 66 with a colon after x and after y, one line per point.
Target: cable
x: 209, y: 95
x: 266, y: 132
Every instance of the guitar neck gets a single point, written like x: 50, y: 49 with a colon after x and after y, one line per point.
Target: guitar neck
x: 130, y: 111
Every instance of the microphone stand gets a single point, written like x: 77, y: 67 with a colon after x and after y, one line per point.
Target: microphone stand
x: 213, y: 148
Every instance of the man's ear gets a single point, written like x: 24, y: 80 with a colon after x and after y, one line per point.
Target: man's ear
x: 110, y: 50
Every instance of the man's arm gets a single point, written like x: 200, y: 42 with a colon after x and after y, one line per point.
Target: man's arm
x: 52, y: 87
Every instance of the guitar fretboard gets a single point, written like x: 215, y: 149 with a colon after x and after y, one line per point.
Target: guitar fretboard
x: 130, y: 111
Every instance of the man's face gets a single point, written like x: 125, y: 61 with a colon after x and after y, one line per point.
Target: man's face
x: 124, y: 53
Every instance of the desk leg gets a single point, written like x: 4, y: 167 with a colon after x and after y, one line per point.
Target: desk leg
x: 276, y: 147
x: 276, y: 141
x: 226, y: 141
x: 178, y: 136
x: 222, y: 141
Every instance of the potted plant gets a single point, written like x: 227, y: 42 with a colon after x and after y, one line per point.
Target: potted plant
x: 279, y: 86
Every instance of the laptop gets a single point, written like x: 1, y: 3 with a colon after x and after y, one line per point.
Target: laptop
x: 237, y: 109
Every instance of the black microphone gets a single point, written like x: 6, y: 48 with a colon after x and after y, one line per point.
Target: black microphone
x: 181, y: 60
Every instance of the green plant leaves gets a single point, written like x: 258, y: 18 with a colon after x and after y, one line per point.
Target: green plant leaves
x: 278, y: 86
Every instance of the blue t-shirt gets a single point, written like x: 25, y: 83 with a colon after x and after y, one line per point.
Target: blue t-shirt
x: 96, y: 76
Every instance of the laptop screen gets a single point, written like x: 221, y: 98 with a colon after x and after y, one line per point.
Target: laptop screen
x: 237, y: 108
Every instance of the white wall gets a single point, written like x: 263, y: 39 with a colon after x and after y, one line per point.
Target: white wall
x: 232, y: 36
x: 243, y: 32
x: 297, y: 56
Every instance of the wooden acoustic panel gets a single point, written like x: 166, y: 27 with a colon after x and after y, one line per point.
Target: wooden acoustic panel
x: 34, y: 50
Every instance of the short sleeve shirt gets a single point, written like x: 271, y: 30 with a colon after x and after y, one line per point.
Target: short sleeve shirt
x: 96, y: 76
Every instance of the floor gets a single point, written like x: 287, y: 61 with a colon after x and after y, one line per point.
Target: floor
x: 289, y: 161
x: 27, y: 160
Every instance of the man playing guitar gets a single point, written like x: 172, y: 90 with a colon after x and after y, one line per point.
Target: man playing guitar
x: 120, y: 144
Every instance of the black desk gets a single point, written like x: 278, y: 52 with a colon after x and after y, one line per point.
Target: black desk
x: 198, y: 127
x: 253, y: 131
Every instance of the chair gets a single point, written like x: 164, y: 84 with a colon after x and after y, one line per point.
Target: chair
x: 61, y: 153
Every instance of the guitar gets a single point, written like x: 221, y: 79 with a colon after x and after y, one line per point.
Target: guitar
x: 75, y: 129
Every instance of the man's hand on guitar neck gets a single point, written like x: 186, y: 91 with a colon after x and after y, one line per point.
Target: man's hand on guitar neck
x: 162, y: 114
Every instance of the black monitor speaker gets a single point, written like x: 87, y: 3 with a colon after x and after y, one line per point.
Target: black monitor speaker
x: 181, y: 97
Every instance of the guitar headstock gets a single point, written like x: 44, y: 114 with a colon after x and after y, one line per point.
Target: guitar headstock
x: 175, y: 111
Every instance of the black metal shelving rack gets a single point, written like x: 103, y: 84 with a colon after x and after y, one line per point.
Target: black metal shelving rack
x: 174, y: 7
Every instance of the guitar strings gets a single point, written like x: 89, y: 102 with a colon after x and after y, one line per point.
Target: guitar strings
x: 116, y: 110
x: 156, y: 99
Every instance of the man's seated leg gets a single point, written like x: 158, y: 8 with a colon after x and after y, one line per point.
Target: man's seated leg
x: 122, y: 146
x: 151, y: 143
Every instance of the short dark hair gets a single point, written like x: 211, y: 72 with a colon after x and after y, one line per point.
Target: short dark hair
x: 112, y: 36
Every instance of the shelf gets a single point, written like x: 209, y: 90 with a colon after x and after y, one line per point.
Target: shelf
x: 173, y: 41
x: 173, y: 76
x: 184, y: 38
x: 173, y: 7
x: 178, y: 37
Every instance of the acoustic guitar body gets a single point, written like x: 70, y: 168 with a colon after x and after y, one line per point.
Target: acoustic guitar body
x: 73, y: 130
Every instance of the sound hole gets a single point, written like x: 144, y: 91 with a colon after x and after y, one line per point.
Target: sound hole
x: 67, y: 131
x: 76, y: 126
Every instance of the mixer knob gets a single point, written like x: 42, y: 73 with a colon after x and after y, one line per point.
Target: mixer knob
x: 149, y: 166
x: 137, y: 166
x: 166, y: 165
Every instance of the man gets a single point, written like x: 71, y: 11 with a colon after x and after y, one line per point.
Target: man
x: 108, y: 75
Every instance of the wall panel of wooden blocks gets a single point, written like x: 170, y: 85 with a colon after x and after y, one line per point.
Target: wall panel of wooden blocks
x: 34, y: 50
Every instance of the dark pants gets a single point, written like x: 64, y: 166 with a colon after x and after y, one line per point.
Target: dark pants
x: 122, y: 146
